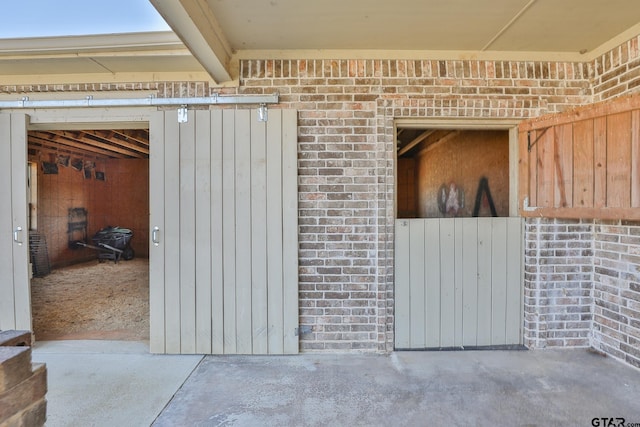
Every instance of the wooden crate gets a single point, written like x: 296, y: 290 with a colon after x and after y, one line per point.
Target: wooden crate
x: 23, y: 385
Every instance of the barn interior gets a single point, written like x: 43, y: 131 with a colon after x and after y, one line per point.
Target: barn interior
x: 445, y: 173
x: 82, y: 183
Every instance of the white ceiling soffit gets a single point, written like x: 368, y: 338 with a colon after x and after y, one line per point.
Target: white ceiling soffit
x: 159, y: 54
x: 196, y: 25
x: 549, y: 29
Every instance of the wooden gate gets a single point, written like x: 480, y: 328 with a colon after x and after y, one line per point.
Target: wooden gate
x: 583, y: 163
x: 458, y: 282
x: 223, y: 256
x: 15, y: 296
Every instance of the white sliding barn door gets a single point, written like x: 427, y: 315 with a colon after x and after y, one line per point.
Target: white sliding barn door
x: 224, y: 220
x: 15, y: 296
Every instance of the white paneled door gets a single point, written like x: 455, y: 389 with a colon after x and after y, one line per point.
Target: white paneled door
x: 458, y: 282
x: 224, y: 245
x: 15, y: 296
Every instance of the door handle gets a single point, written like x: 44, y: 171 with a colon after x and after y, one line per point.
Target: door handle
x: 154, y: 236
x: 16, y: 235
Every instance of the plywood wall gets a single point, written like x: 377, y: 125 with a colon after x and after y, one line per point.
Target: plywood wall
x: 407, y: 189
x: 122, y: 199
x: 582, y: 164
x: 463, y: 159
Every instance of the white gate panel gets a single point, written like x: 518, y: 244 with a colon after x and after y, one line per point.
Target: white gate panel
x: 15, y: 295
x: 224, y: 265
x: 458, y: 282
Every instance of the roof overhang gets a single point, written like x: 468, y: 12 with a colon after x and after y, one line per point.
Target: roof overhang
x: 156, y: 56
x: 210, y: 37
x: 218, y: 32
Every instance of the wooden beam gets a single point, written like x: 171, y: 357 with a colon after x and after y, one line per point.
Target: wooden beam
x: 75, y: 140
x: 415, y: 142
x: 606, y: 108
x: 81, y: 149
x: 196, y: 25
x: 440, y: 139
x: 39, y: 150
x: 110, y: 138
x: 139, y: 136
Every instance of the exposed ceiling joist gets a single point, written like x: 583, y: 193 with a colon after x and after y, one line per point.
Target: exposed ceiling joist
x: 77, y: 137
x: 106, y: 143
x: 413, y: 143
x: 118, y: 144
x: 44, y: 144
x: 140, y: 137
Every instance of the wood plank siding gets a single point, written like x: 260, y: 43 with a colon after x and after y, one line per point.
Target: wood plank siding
x: 15, y: 295
x: 584, y: 163
x: 224, y: 198
x: 458, y: 282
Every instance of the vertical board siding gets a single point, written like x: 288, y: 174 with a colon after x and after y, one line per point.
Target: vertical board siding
x: 545, y: 167
x: 635, y: 159
x: 274, y: 224
x: 430, y: 240
x: 499, y: 243
x: 224, y: 277
x: 243, y: 231
x: 15, y: 296
x: 402, y: 292
x: 600, y: 162
x: 583, y: 163
x: 458, y: 282
x: 484, y: 266
x: 217, y: 227
x: 289, y: 190
x: 7, y: 299
x: 447, y: 282
x: 187, y: 232
x: 258, y: 168
x: 515, y: 271
x: 419, y: 263
x: 203, y: 237
x: 229, y: 231
x: 19, y: 207
x: 619, y: 160
x: 469, y: 281
x: 157, y: 330
x: 171, y: 240
x: 563, y: 160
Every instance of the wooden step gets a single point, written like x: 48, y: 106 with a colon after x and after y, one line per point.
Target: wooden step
x: 15, y: 366
x: 15, y: 338
x: 21, y: 397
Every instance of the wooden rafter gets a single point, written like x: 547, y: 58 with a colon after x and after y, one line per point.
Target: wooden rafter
x: 110, y: 137
x: 139, y: 136
x: 105, y: 143
x: 415, y: 142
x: 37, y: 141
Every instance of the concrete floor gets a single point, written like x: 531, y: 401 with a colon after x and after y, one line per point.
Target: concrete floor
x: 528, y: 388
x: 108, y: 383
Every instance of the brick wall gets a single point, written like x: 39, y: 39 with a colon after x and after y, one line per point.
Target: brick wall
x: 617, y: 72
x: 616, y: 310
x: 558, y: 283
x: 346, y: 113
x: 582, y: 286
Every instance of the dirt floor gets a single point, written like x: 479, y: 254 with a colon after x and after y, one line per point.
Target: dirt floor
x: 93, y: 300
